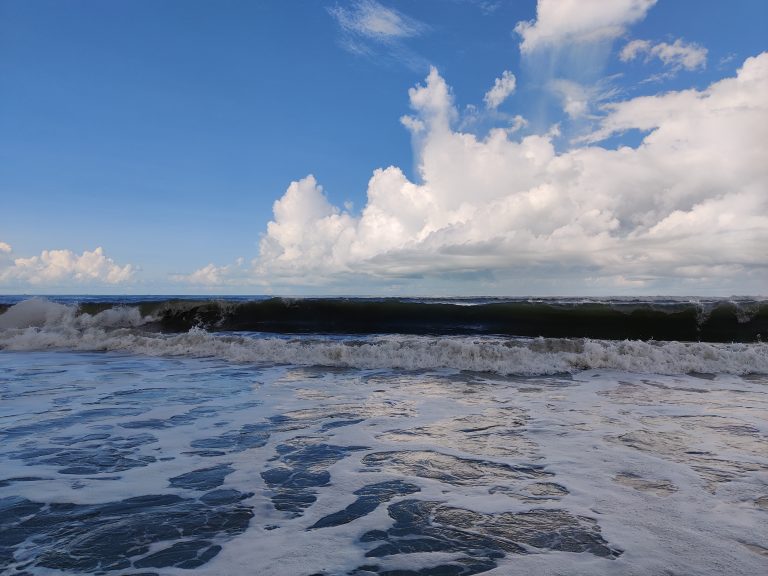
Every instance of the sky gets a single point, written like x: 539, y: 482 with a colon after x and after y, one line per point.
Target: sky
x: 363, y: 147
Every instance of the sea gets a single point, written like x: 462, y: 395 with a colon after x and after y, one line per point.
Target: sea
x: 155, y: 435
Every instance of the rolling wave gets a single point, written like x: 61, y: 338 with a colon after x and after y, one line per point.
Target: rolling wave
x: 43, y: 325
x: 715, y: 320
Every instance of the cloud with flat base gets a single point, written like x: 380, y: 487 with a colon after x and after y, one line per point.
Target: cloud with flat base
x: 64, y: 268
x: 689, y: 203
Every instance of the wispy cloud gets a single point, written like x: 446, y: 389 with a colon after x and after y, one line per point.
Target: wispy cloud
x: 726, y: 60
x: 679, y: 55
x: 212, y: 275
x: 565, y: 51
x: 372, y: 20
x: 370, y: 28
x: 583, y: 101
x: 485, y: 6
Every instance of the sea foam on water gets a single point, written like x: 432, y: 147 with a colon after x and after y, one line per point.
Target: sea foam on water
x: 137, y: 442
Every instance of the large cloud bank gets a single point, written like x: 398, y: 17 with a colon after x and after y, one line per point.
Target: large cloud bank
x: 689, y: 202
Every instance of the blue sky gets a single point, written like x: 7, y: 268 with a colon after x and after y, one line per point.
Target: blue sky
x: 144, y: 145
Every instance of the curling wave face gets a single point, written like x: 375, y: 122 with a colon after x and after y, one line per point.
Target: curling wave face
x: 205, y: 329
x: 683, y: 319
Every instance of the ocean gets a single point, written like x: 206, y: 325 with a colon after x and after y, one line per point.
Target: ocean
x: 383, y: 436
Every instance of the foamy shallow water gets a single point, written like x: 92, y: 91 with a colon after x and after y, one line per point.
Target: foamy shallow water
x: 120, y: 463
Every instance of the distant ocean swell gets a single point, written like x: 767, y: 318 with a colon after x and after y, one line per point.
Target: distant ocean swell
x: 312, y: 335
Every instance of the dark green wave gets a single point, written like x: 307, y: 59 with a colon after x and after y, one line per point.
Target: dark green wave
x: 719, y: 322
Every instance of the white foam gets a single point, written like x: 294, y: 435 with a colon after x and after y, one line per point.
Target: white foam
x: 38, y: 324
x: 484, y: 354
x: 575, y: 426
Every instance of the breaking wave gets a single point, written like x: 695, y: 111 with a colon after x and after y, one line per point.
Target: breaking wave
x: 39, y: 324
x: 689, y: 320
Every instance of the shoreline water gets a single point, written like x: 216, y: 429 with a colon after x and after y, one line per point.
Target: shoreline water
x: 132, y: 449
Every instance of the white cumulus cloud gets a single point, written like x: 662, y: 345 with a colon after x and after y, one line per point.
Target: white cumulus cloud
x: 307, y: 232
x: 677, y: 56
x: 689, y: 203
x: 56, y: 267
x: 211, y: 275
x: 574, y: 21
x: 5, y: 248
x: 502, y: 88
